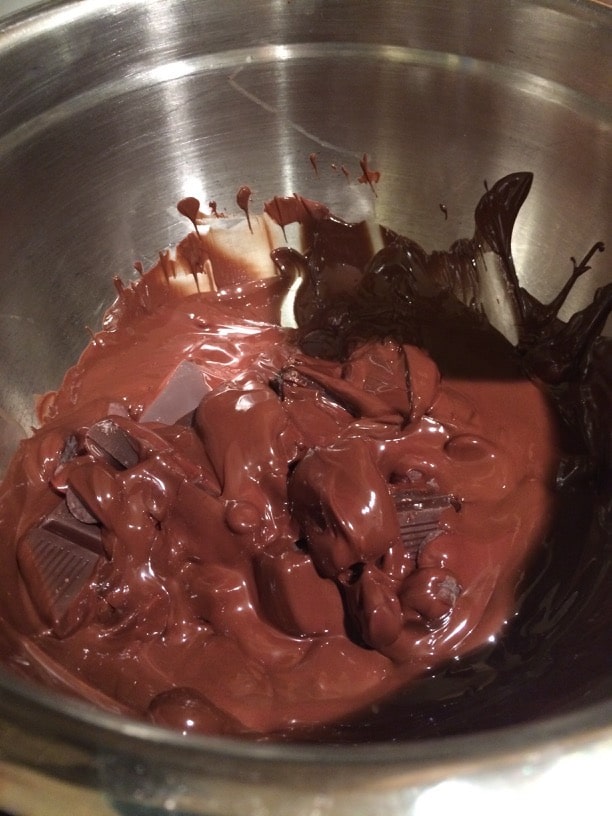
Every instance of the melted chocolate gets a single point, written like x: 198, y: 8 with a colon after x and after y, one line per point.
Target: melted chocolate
x: 285, y: 531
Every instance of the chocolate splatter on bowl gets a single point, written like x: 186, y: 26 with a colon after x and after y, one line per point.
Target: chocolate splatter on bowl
x: 110, y: 116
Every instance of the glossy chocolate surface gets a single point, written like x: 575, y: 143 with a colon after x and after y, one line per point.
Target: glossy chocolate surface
x: 232, y: 526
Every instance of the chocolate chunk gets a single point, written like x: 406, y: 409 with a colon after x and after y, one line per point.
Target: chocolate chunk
x: 78, y: 509
x: 63, y: 522
x: 179, y: 396
x: 55, y: 571
x: 107, y: 441
x: 419, y: 516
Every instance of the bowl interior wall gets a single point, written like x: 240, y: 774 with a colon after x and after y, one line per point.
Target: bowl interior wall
x: 112, y: 114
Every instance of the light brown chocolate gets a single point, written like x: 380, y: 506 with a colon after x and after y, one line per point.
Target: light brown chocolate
x: 270, y: 529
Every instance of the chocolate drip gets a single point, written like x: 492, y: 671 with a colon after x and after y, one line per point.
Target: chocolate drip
x: 190, y: 208
x: 243, y: 198
x: 368, y: 176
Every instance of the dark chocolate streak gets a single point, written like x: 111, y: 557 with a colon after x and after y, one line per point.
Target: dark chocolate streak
x: 362, y: 528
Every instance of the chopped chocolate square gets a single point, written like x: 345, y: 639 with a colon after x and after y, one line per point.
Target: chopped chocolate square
x: 65, y: 524
x: 419, y: 516
x: 55, y: 571
x: 107, y: 441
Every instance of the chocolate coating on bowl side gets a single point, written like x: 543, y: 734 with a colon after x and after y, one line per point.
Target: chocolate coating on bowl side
x: 271, y: 530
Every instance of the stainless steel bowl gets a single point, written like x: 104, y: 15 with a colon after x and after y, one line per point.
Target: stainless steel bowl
x: 110, y: 113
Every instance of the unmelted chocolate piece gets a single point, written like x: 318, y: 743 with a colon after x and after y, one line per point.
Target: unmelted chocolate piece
x: 55, y: 570
x: 419, y: 515
x: 179, y: 395
x: 107, y: 441
x: 78, y: 509
x: 64, y: 523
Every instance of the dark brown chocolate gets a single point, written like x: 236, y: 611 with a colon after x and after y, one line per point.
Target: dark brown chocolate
x: 337, y: 518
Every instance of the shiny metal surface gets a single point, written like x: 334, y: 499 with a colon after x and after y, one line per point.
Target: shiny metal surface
x: 110, y: 113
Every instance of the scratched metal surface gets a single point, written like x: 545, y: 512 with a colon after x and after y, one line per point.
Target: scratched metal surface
x: 110, y: 113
